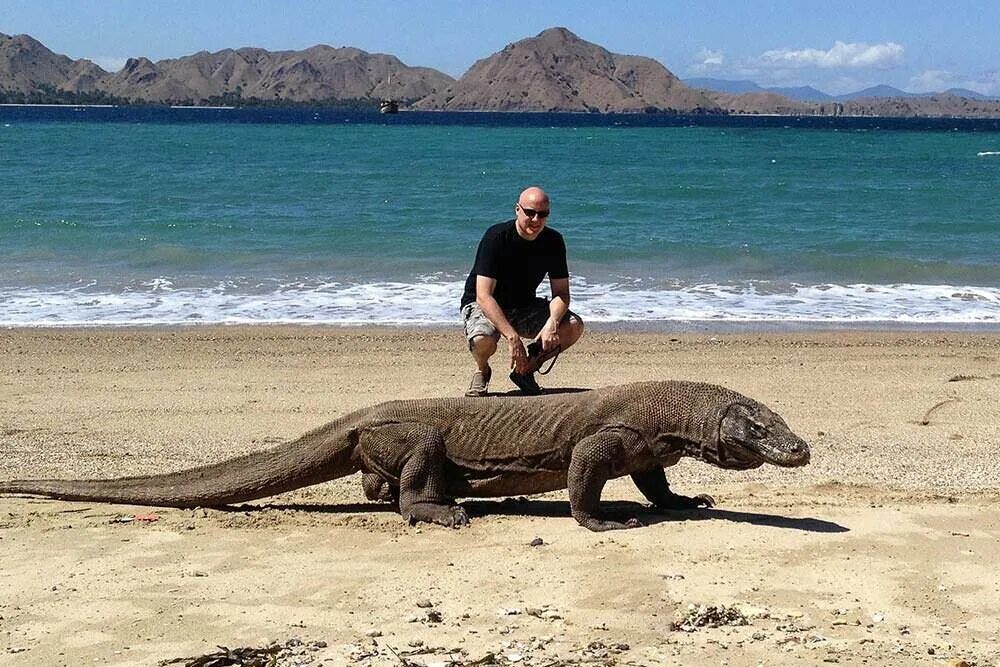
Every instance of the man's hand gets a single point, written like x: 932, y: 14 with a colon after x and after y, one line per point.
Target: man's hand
x: 549, y: 336
x: 519, y: 361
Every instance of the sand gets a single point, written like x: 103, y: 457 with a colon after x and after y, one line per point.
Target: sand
x: 882, y: 551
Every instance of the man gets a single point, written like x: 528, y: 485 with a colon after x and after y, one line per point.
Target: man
x: 499, y: 300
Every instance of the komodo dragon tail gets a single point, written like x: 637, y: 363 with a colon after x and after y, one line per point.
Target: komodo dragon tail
x: 318, y: 456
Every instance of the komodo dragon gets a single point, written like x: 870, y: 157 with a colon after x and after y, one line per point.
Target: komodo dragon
x: 424, y: 453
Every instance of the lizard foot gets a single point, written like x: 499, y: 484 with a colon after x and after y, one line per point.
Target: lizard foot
x: 678, y: 502
x: 453, y: 516
x: 376, y: 488
x: 597, y: 525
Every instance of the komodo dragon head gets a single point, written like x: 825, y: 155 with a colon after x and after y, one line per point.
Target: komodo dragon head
x: 750, y: 434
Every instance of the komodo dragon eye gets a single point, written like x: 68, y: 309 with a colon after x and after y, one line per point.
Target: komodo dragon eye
x: 757, y: 430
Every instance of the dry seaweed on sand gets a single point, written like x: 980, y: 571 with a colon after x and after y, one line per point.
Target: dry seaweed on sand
x: 709, y: 616
x: 272, y: 655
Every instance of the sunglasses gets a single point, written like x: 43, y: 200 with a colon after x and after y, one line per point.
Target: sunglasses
x: 532, y: 213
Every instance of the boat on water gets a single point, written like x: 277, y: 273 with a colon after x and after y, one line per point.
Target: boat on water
x: 388, y: 104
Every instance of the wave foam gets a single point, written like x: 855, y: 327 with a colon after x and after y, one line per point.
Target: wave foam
x: 429, y: 303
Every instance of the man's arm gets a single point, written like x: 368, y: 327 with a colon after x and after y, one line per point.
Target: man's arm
x: 557, y: 311
x: 494, y: 313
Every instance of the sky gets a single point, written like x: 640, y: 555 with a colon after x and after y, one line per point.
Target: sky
x: 835, y: 46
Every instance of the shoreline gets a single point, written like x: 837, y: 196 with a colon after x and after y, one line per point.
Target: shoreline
x: 370, y: 109
x: 624, y: 326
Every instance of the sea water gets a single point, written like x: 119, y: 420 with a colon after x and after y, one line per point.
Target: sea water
x: 163, y: 216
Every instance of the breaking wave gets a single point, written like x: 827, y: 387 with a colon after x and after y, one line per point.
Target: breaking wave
x: 432, y: 302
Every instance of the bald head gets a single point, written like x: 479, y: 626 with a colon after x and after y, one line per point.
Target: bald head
x: 532, y: 211
x: 534, y: 195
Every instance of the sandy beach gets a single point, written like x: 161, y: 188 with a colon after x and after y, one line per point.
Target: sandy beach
x: 882, y: 551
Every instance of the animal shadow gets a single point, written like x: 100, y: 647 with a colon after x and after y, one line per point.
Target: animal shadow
x: 624, y: 510
x: 615, y: 510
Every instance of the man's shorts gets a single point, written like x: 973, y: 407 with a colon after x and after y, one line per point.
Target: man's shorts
x: 526, y: 320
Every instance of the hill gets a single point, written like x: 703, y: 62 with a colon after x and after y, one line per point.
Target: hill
x: 317, y: 74
x: 558, y: 71
x: 554, y: 71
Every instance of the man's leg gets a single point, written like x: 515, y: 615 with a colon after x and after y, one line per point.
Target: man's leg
x: 482, y: 337
x: 483, y: 347
x: 529, y: 322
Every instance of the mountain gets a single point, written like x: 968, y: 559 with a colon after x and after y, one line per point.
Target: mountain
x: 876, y: 91
x: 761, y: 103
x: 558, y: 71
x: 810, y: 94
x: 25, y: 64
x: 971, y: 94
x: 724, y: 85
x: 553, y: 71
x: 802, y: 93
x: 317, y: 74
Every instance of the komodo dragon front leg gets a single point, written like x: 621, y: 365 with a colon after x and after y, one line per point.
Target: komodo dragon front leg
x: 595, y: 460
x: 653, y: 484
x: 410, y: 457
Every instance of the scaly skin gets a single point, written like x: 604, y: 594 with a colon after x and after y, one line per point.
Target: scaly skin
x: 424, y: 453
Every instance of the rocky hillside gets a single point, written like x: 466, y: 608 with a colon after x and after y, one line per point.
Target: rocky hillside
x: 320, y: 73
x: 934, y: 106
x: 25, y: 64
x: 553, y: 71
x: 558, y: 71
x: 317, y: 73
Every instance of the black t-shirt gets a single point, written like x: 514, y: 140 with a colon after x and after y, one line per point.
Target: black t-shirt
x: 518, y: 265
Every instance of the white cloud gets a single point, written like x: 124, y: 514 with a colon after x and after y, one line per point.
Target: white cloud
x: 109, y: 63
x: 709, y: 58
x: 707, y: 62
x: 853, y: 55
x: 932, y: 81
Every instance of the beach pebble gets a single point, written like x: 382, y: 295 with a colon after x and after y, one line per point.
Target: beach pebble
x: 425, y: 604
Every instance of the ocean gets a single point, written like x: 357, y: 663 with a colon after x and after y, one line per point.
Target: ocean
x: 158, y: 216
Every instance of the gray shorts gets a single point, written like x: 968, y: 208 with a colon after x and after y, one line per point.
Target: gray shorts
x: 526, y: 320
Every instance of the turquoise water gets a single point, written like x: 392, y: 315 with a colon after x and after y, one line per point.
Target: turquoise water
x: 124, y: 223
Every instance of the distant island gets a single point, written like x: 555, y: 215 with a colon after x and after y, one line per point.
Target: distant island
x: 553, y: 71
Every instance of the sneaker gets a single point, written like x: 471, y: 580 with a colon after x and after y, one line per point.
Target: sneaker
x: 480, y: 381
x: 526, y: 383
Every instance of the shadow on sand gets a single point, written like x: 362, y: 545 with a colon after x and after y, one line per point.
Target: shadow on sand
x: 615, y: 510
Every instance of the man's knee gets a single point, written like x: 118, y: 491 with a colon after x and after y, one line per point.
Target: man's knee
x: 483, y: 345
x: 570, y: 330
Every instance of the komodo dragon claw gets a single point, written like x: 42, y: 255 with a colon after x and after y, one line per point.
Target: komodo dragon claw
x: 678, y: 502
x: 452, y: 516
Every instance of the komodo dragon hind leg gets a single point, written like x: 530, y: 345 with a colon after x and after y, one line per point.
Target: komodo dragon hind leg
x: 589, y: 470
x: 653, y: 484
x: 415, y: 455
x: 378, y: 488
